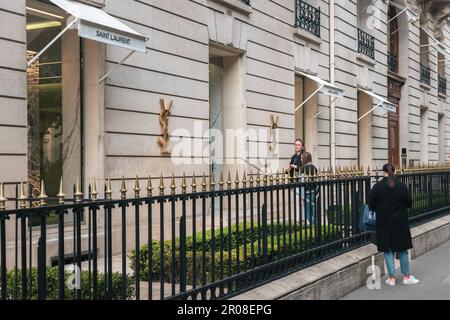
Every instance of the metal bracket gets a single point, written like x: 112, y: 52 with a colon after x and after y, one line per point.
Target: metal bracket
x: 115, y: 67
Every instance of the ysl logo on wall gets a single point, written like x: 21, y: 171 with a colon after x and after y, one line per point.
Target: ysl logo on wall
x: 166, y: 111
x: 272, y: 132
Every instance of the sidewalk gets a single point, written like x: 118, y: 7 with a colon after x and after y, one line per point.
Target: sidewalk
x: 433, y: 271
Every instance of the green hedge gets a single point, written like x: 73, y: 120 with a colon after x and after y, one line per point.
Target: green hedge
x: 52, y: 277
x: 244, y: 262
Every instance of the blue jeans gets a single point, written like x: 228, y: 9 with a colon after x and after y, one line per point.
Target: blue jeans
x: 404, y: 262
x: 310, y: 206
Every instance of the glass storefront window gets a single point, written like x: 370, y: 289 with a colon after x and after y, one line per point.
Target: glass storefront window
x: 44, y: 102
x: 54, y: 102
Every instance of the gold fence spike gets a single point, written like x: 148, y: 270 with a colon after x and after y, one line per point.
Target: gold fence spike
x: 161, y: 185
x: 265, y: 179
x: 42, y: 196
x: 271, y: 178
x: 108, y: 192
x: 236, y: 180
x: 221, y: 183
x: 149, y: 186
x: 258, y: 179
x: 212, y: 182
x: 183, y: 184
x: 2, y: 197
x: 229, y: 180
x: 123, y: 189
x: 244, y: 180
x: 22, y: 197
x: 194, y: 184
x: 204, y: 183
x: 94, y: 192
x: 61, y: 193
x: 277, y: 177
x: 137, y: 188
x: 78, y: 195
x: 251, y: 179
x: 172, y: 184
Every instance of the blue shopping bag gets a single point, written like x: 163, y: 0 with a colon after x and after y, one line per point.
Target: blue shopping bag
x: 367, y: 218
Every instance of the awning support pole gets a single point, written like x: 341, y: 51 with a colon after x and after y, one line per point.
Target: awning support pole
x: 53, y: 41
x: 115, y: 67
x: 318, y: 113
x: 301, y: 105
x: 397, y: 15
x: 379, y: 104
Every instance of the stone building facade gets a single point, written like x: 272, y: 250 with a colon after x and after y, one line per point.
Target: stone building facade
x: 226, y: 64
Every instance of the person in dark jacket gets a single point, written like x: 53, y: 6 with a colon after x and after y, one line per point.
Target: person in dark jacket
x: 390, y: 198
x: 309, y: 196
x: 296, y: 160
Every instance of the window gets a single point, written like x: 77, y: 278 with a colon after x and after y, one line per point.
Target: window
x: 393, y: 49
x: 442, y: 79
x: 54, y: 144
x: 307, y: 17
x: 366, y: 14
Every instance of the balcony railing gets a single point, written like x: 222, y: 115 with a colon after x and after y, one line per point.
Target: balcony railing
x: 366, y: 44
x: 425, y: 74
x: 442, y: 85
x: 307, y: 17
x: 392, y: 62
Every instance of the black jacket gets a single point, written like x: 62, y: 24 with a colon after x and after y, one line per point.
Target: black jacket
x: 310, y: 169
x: 390, y: 206
x: 296, y: 159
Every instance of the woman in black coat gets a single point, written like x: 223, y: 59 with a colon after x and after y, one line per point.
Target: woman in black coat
x: 390, y: 198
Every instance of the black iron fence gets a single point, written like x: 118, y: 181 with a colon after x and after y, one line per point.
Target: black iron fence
x: 307, y: 17
x: 425, y: 74
x: 366, y: 44
x: 211, y: 242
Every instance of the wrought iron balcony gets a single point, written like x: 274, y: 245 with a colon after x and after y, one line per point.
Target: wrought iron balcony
x: 425, y: 74
x: 392, y: 62
x: 366, y: 44
x: 307, y: 17
x: 247, y: 2
x: 442, y: 85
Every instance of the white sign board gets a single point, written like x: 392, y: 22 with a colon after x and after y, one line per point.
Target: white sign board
x: 115, y: 38
x: 389, y: 107
x: 331, y: 91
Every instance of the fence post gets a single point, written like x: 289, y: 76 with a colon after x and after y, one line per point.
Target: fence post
x: 41, y: 268
x: 183, y: 238
x: 183, y: 252
x: 264, y: 235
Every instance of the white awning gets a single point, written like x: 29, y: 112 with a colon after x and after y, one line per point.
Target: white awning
x: 95, y: 24
x: 385, y: 104
x: 324, y: 86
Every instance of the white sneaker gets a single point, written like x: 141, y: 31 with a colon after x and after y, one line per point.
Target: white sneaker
x: 411, y: 280
x: 390, y: 282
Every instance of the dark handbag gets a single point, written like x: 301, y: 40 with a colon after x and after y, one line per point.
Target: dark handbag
x: 367, y: 218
